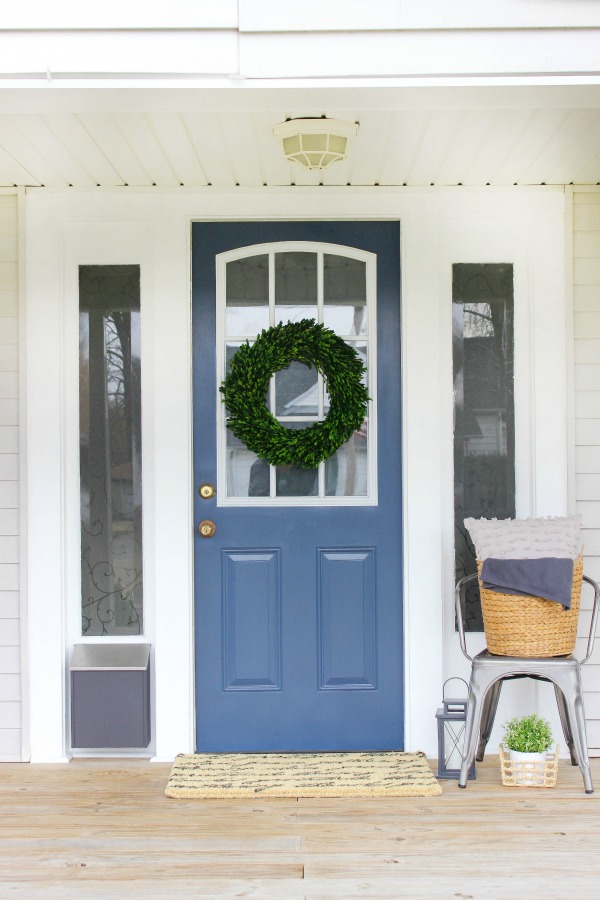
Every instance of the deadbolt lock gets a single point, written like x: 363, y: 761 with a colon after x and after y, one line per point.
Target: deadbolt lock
x: 206, y: 528
x: 206, y: 491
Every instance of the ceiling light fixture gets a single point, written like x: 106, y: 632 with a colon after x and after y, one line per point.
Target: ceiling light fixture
x: 315, y: 143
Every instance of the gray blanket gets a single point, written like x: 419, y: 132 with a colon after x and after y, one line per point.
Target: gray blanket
x: 550, y: 578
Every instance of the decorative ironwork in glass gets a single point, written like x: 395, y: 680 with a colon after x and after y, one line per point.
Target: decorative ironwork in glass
x: 484, y: 418
x: 110, y: 450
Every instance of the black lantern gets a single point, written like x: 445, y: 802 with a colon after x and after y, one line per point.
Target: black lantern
x: 451, y: 723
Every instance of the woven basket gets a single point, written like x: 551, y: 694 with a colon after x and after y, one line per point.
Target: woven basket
x: 530, y: 626
x: 535, y: 774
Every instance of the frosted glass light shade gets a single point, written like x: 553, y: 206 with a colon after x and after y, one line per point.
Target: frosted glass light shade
x: 315, y: 143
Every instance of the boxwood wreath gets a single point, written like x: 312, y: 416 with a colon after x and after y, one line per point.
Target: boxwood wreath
x: 247, y: 383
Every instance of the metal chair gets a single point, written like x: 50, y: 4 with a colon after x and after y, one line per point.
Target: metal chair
x: 489, y: 672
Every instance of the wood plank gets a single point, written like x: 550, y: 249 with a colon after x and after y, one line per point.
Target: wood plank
x: 9, y: 494
x: 9, y: 549
x: 587, y: 377
x: 8, y: 247
x: 10, y: 687
x: 587, y: 350
x: 587, y: 487
x: 111, y: 142
x: 176, y: 144
x: 98, y: 828
x: 9, y: 608
x: 587, y: 432
x: 9, y: 325
x: 9, y: 357
x: 586, y: 296
x: 9, y: 412
x: 10, y: 743
x: 587, y: 460
x: 587, y: 324
x: 9, y: 466
x: 206, y: 135
x: 591, y: 541
x: 9, y: 577
x: 9, y: 385
x: 10, y: 714
x: 9, y: 518
x: 144, y: 141
x: 586, y: 216
x: 9, y: 302
x: 586, y: 270
x: 590, y: 513
x: 587, y: 404
x: 10, y: 635
x: 10, y: 660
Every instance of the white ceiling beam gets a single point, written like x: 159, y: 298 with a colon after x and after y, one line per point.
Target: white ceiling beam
x: 379, y: 15
x: 72, y: 14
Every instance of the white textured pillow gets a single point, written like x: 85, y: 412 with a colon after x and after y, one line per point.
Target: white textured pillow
x: 526, y: 538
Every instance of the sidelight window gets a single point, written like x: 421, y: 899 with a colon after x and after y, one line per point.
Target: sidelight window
x: 484, y: 413
x: 110, y: 450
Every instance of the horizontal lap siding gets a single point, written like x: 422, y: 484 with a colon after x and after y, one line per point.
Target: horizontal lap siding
x: 10, y: 626
x: 586, y: 301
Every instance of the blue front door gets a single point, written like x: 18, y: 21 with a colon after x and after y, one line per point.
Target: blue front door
x: 298, y: 593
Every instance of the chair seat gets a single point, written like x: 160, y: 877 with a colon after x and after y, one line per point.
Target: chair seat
x: 524, y: 663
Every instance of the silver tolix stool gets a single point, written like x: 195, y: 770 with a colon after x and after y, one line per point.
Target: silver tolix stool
x: 488, y: 673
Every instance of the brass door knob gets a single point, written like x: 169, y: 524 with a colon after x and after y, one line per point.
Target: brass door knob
x: 206, y: 491
x: 206, y: 528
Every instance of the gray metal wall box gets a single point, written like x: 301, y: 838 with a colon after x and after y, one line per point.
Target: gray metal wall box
x: 110, y: 696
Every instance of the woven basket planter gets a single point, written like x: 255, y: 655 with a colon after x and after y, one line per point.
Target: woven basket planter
x: 530, y: 626
x: 528, y: 774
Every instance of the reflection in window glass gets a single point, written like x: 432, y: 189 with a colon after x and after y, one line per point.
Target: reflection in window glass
x: 247, y: 295
x: 110, y: 450
x: 297, y: 391
x: 295, y: 286
x: 346, y: 471
x: 345, y: 294
x: 484, y: 420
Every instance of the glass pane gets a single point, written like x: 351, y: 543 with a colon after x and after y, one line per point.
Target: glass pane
x: 247, y: 293
x: 295, y: 286
x: 484, y: 430
x: 110, y: 450
x: 292, y: 481
x: 345, y: 294
x: 297, y: 391
x: 247, y: 475
x: 346, y: 472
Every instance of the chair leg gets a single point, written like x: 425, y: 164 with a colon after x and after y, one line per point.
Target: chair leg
x: 474, y: 708
x: 572, y: 692
x: 564, y: 721
x: 489, y: 708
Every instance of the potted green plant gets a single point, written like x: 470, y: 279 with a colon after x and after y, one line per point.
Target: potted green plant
x: 528, y: 738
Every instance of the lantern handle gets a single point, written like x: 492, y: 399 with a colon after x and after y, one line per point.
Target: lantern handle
x: 453, y: 678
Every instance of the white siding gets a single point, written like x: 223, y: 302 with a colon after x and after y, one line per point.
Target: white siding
x: 10, y: 625
x: 586, y: 313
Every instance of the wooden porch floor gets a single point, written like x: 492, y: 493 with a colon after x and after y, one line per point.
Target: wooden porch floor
x: 104, y: 829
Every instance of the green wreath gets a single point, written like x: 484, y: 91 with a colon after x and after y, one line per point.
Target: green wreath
x: 245, y: 392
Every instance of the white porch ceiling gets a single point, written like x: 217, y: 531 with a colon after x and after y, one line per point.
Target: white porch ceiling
x: 60, y: 137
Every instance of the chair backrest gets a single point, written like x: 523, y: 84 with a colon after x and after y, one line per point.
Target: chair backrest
x: 469, y: 580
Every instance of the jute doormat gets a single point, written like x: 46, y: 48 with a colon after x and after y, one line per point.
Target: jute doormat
x: 227, y: 775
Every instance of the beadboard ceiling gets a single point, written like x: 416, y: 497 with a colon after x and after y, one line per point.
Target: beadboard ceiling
x: 193, y: 138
